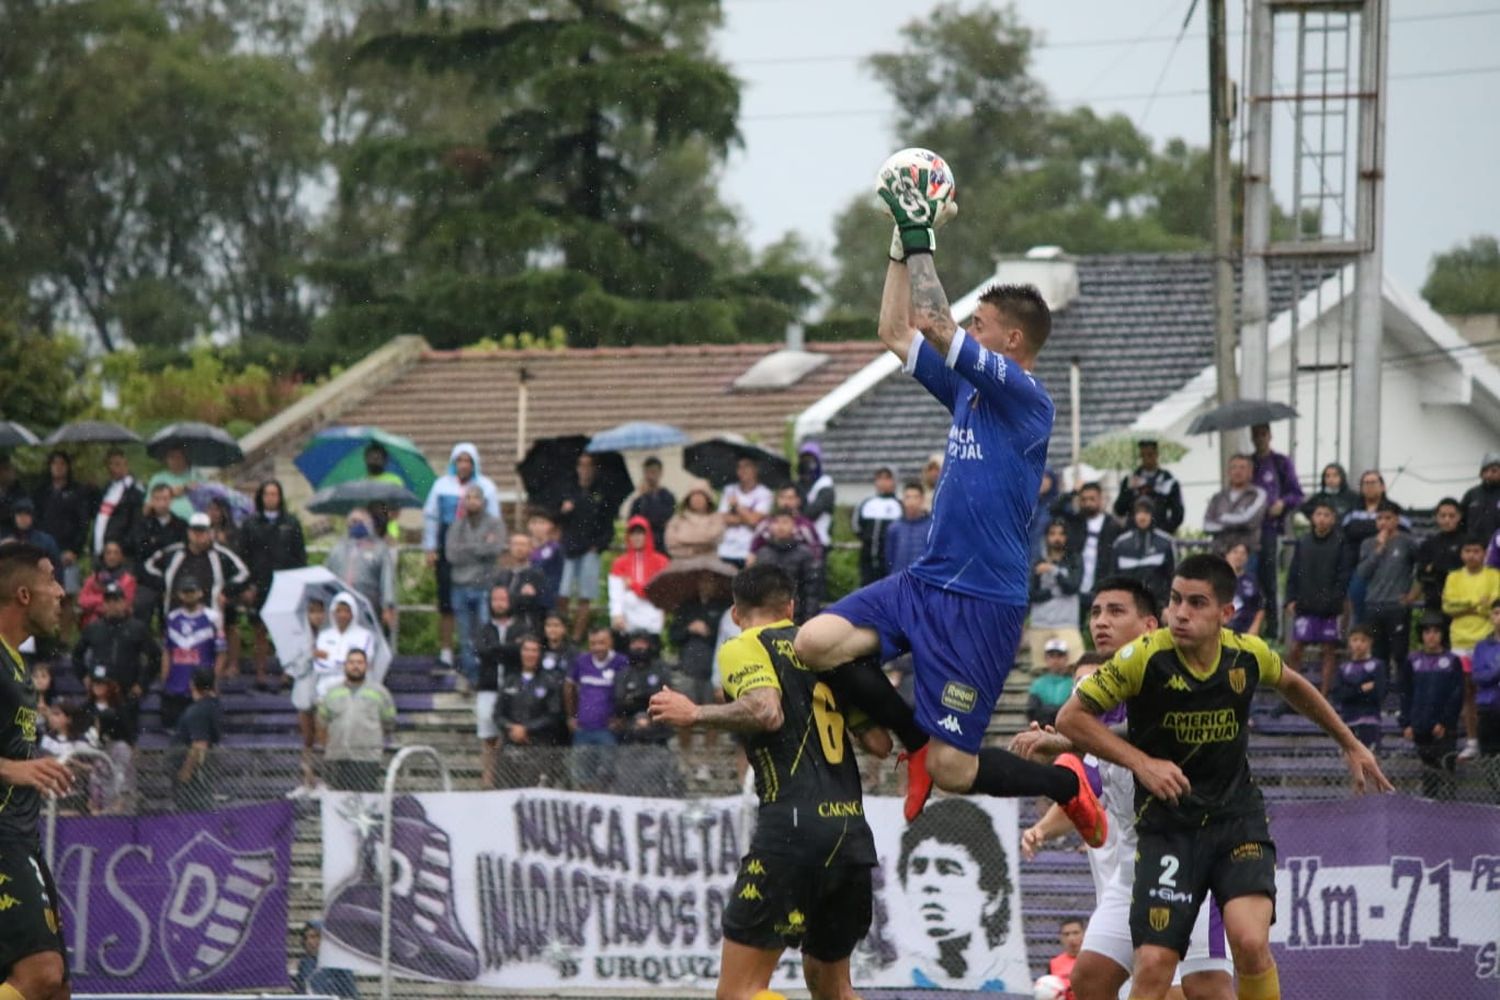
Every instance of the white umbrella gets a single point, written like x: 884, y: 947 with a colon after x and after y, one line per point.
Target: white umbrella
x: 285, y: 614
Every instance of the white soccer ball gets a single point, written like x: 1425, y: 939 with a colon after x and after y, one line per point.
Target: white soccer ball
x: 1049, y: 988
x: 940, y: 182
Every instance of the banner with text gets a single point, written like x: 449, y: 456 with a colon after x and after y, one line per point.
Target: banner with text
x: 158, y: 904
x: 538, y: 888
x: 1386, y: 897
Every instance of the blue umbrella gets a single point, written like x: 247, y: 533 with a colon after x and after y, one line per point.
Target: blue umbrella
x: 637, y: 435
x: 336, y: 455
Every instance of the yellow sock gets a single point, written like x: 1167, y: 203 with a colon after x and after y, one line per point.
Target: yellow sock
x: 9, y: 992
x: 1261, y: 986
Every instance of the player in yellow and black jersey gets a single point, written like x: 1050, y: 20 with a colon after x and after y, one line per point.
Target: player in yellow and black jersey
x: 32, y: 957
x: 805, y: 880
x: 1200, y: 817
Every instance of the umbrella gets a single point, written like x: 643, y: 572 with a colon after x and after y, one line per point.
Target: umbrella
x: 285, y: 614
x: 205, y: 444
x: 1122, y: 450
x: 680, y: 581
x: 716, y: 458
x: 14, y: 435
x: 200, y: 494
x: 550, y: 469
x: 636, y: 436
x: 92, y: 432
x: 1240, y: 413
x: 337, y: 455
x: 345, y: 497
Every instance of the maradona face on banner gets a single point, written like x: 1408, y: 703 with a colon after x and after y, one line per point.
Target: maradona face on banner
x: 526, y: 889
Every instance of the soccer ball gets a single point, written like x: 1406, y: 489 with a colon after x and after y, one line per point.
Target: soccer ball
x: 940, y: 182
x: 1049, y: 988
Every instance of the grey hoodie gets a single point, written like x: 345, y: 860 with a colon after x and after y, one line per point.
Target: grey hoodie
x: 473, y: 547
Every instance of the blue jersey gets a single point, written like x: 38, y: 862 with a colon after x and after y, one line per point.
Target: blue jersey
x: 997, y: 450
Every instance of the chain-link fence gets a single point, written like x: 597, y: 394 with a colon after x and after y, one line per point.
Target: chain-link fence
x: 606, y: 873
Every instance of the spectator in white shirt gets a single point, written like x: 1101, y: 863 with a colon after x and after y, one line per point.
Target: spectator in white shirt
x: 744, y: 505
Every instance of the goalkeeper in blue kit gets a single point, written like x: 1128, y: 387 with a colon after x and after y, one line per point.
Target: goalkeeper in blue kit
x: 959, y: 609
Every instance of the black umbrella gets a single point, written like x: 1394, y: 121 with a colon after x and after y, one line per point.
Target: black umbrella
x: 682, y: 580
x: 716, y: 459
x: 14, y: 435
x: 92, y: 432
x: 357, y: 493
x: 550, y: 468
x: 205, y: 444
x: 1240, y: 413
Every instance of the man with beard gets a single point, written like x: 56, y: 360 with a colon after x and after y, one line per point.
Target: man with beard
x: 355, y: 718
x: 32, y: 955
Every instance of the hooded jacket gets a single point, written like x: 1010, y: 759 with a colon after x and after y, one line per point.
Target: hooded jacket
x: 446, y: 497
x: 628, y: 576
x: 796, y: 560
x: 1146, y: 556
x: 473, y: 547
x: 335, y: 646
x: 818, y: 493
x: 1318, y: 581
x: 690, y: 534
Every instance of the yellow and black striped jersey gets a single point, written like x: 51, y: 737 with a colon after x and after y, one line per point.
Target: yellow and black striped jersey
x: 19, y: 806
x: 1197, y: 721
x: 811, y: 804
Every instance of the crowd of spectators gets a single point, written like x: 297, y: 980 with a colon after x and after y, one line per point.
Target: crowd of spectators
x: 1338, y: 576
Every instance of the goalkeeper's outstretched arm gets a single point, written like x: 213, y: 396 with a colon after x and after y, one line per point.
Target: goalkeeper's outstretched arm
x: 897, y: 329
x: 929, y: 303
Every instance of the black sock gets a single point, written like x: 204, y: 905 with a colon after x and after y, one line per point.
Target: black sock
x: 1006, y: 776
x: 869, y: 688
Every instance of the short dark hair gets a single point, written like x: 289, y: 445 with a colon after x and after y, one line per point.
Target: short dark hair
x: 914, y: 484
x: 761, y: 586
x: 961, y: 823
x: 1322, y: 502
x: 1475, y: 541
x: 1364, y: 630
x: 1091, y: 486
x: 20, y: 562
x: 1211, y: 569
x: 1448, y: 502
x: 115, y: 452
x: 1240, y: 456
x: 651, y: 461
x: 1388, y: 507
x: 1066, y: 921
x: 783, y: 512
x: 159, y: 487
x: 1146, y: 604
x: 884, y: 470
x: 1093, y: 658
x: 204, y: 679
x: 1024, y: 306
x: 595, y: 630
x: 362, y: 654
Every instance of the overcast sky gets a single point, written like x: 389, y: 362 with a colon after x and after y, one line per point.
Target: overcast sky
x: 814, y: 118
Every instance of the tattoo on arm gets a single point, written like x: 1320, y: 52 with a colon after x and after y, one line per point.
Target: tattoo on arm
x: 929, y: 303
x: 896, y: 328
x: 757, y: 711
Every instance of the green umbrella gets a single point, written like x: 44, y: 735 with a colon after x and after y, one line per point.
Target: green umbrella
x: 1120, y: 450
x: 337, y: 455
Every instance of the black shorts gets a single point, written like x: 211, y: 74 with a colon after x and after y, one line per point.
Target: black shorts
x: 444, y: 576
x: 29, y: 923
x: 777, y: 903
x: 1176, y: 871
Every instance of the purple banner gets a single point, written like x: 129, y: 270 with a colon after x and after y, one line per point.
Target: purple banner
x: 1387, y: 897
x: 194, y: 902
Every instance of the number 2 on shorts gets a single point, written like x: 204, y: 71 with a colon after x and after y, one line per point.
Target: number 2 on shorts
x: 1168, y: 871
x: 830, y: 722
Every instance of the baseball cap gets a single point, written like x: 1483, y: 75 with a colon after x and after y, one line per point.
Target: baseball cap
x: 100, y: 673
x: 1056, y: 646
x: 113, y: 589
x: 199, y: 520
x: 23, y: 505
x: 188, y: 583
x: 1490, y: 458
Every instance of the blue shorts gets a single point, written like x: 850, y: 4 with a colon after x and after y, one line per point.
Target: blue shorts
x: 961, y: 647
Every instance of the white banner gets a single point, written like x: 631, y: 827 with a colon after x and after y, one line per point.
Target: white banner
x: 536, y: 888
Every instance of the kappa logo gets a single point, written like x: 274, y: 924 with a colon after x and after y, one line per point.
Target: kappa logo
x: 754, y: 867
x: 7, y: 901
x: 1159, y: 917
x: 959, y: 697
x: 949, y: 723
x: 1176, y: 683
x: 216, y: 893
x: 750, y: 892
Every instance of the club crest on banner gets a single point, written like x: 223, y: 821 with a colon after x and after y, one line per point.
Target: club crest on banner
x: 215, y: 895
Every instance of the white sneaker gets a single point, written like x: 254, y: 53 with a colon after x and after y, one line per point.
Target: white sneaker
x: 300, y: 792
x: 1470, y: 750
x: 445, y: 657
x: 702, y: 773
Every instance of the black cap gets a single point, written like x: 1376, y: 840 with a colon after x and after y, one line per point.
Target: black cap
x: 1146, y: 442
x: 112, y: 590
x: 23, y: 505
x: 1144, y: 503
x: 1431, y: 619
x: 100, y: 673
x: 186, y: 583
x: 203, y: 679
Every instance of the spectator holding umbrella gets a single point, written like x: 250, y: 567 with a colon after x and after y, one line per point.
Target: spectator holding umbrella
x: 1277, y: 477
x: 442, y: 508
x: 588, y: 528
x: 121, y: 506
x: 177, y: 476
x: 697, y: 528
x: 365, y: 563
x: 376, y: 459
x: 64, y: 510
x: 473, y: 546
x: 629, y: 609
x: 654, y: 502
x: 271, y: 539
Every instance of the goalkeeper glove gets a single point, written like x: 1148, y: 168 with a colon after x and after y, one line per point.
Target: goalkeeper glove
x: 916, y: 215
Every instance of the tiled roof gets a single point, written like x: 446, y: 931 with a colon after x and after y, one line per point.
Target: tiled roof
x: 450, y: 396
x: 1141, y: 327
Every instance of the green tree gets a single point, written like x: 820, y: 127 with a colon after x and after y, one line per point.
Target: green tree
x: 40, y: 376
x: 152, y: 168
x: 1465, y: 280
x: 1028, y: 173
x: 587, y: 199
